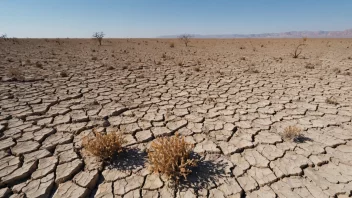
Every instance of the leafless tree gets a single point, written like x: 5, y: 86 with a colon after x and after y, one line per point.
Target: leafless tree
x: 99, y: 36
x: 185, y: 38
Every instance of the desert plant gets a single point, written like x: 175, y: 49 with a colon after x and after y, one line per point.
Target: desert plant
x: 172, y: 45
x: 171, y: 156
x: 99, y: 36
x: 309, y: 66
x: 39, y: 65
x: 63, y: 74
x: 292, y: 132
x: 336, y: 70
x: 331, y: 101
x: 242, y: 58
x: 252, y: 70
x: 185, y: 38
x: 298, y: 50
x: 16, y: 74
x: 104, y: 146
x: 197, y: 69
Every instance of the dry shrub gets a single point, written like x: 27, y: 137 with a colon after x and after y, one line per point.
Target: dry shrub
x: 252, y: 70
x: 309, y: 66
x: 105, y: 146
x: 16, y: 73
x: 197, y: 69
x: 172, y: 45
x: 171, y: 157
x: 63, y: 74
x: 242, y: 58
x: 336, y: 70
x: 292, y: 132
x: 331, y: 101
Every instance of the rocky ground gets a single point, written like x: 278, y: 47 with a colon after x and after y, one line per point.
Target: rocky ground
x: 231, y: 98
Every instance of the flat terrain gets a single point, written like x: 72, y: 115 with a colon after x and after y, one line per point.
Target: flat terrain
x: 232, y: 98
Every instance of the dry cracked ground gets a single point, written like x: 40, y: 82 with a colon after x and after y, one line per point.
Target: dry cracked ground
x: 231, y: 98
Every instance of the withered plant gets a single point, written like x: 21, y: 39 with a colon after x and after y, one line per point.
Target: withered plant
x: 331, y: 100
x: 104, y: 146
x: 171, y: 156
x: 298, y: 50
x: 292, y: 132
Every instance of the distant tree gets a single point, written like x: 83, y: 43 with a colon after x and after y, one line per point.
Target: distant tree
x: 3, y: 36
x: 99, y: 36
x: 185, y: 38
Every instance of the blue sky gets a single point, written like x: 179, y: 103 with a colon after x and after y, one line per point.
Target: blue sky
x: 152, y: 18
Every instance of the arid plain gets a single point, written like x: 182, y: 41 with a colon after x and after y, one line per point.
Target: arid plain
x: 233, y: 99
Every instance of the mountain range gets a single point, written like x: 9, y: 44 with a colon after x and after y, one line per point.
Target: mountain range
x: 293, y: 34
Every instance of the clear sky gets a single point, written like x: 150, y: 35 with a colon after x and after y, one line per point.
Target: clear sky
x: 152, y: 18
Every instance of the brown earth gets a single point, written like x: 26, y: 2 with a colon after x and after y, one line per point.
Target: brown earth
x: 232, y: 98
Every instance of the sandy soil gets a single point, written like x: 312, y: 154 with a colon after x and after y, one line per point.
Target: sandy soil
x: 231, y: 98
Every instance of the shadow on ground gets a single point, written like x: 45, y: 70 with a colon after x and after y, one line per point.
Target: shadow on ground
x: 205, y: 175
x: 302, y: 139
x: 129, y: 159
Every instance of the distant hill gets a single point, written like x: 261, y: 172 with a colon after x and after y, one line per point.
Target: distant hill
x: 294, y: 34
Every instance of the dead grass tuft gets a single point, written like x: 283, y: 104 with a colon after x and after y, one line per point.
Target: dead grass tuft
x: 336, y: 70
x: 197, y: 69
x: 171, y: 156
x: 292, y: 132
x: 16, y: 73
x: 104, y: 146
x: 331, y: 101
x: 309, y: 66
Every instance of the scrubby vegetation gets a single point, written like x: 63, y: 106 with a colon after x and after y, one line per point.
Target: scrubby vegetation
x: 171, y: 156
x: 104, y: 146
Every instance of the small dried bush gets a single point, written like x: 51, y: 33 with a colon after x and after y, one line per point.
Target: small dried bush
x: 172, y: 45
x: 292, y: 132
x: 252, y: 71
x: 63, y: 74
x: 105, y: 146
x: 336, y: 70
x: 39, y: 65
x: 171, y: 156
x: 197, y: 69
x: 309, y: 66
x: 331, y: 101
x: 16, y: 74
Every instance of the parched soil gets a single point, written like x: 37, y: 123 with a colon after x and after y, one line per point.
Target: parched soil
x: 231, y: 98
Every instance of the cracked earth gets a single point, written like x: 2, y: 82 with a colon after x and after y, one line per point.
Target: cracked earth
x: 233, y: 104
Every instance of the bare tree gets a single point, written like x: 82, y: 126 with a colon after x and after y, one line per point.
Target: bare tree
x: 99, y: 36
x: 185, y: 38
